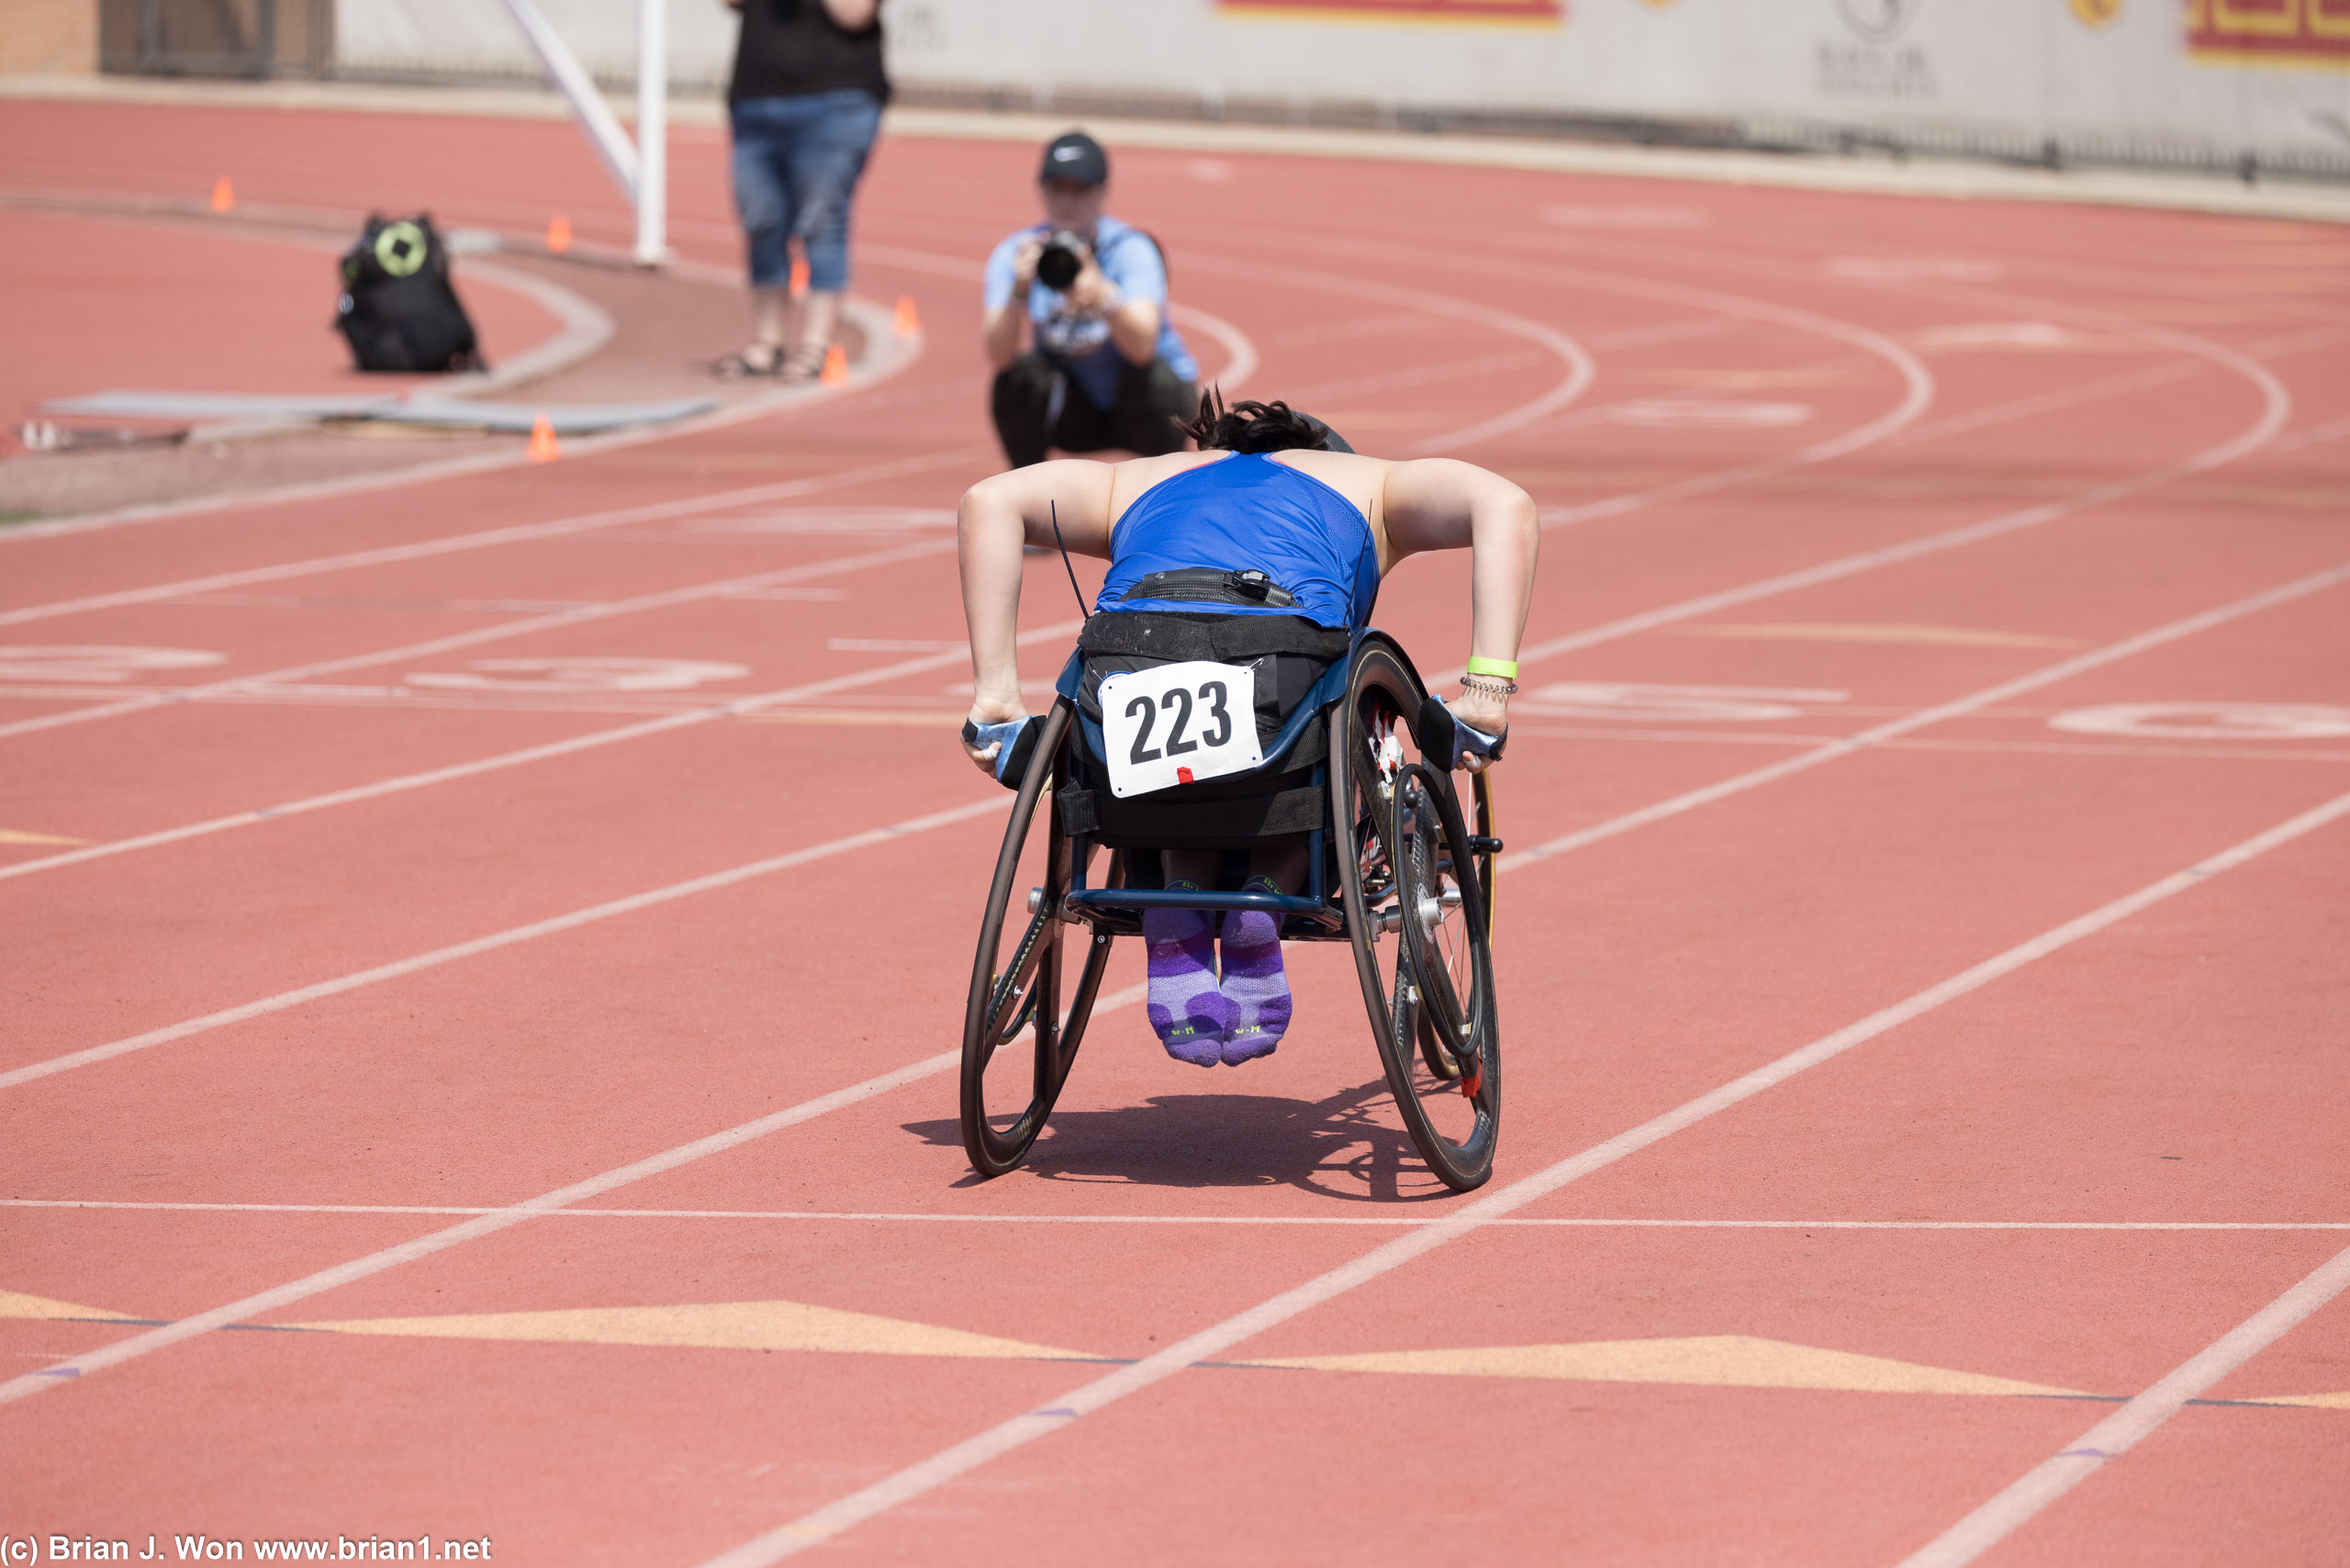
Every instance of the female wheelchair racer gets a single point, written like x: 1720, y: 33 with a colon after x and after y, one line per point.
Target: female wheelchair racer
x: 1235, y: 735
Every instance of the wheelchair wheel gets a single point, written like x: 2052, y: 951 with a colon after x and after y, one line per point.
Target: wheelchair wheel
x: 1407, y: 873
x: 1436, y: 1054
x: 1018, y: 974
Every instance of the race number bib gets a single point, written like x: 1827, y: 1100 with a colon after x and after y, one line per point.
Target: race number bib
x: 1177, y: 725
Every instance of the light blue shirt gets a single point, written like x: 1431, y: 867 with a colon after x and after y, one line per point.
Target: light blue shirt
x: 1080, y: 340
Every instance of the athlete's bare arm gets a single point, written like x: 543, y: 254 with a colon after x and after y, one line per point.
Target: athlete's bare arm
x: 1437, y: 503
x: 1432, y: 504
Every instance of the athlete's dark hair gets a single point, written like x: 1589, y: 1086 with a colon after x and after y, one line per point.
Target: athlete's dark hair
x: 1258, y: 427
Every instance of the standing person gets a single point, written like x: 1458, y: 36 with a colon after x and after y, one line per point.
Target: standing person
x: 804, y: 105
x: 1106, y: 368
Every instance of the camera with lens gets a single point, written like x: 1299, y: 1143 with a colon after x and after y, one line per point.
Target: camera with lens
x: 1062, y: 259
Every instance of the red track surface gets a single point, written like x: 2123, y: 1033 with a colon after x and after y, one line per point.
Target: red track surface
x: 2139, y: 417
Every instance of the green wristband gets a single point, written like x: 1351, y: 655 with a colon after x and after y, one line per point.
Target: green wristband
x: 1506, y: 668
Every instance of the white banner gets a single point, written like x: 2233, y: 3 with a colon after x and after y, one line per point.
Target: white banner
x: 2133, y: 79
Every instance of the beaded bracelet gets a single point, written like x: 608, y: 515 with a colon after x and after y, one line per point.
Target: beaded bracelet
x: 1491, y: 685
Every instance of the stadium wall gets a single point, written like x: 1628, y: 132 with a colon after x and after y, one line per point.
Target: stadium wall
x: 2235, y: 85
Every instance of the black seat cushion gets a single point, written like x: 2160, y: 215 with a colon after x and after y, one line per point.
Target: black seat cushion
x: 1287, y: 653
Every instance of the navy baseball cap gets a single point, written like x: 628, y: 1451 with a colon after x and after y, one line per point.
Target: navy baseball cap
x: 1075, y: 156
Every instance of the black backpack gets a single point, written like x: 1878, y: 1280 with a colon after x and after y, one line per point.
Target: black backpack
x: 398, y: 309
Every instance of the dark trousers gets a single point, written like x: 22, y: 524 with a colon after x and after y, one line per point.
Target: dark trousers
x: 1038, y: 406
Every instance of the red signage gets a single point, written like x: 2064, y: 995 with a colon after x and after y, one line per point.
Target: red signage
x: 2270, y: 32
x: 1534, y: 12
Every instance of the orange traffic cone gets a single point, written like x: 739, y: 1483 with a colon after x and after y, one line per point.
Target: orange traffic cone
x: 799, y: 277
x: 908, y: 321
x: 559, y: 234
x: 836, y: 366
x: 543, y: 445
x: 224, y: 195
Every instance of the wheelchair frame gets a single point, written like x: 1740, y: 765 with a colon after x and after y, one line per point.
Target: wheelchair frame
x: 1393, y: 842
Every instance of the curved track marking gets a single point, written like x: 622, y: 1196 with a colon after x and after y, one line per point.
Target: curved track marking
x: 876, y: 321
x: 168, y: 1376
x: 2276, y: 409
x: 1579, y: 368
x: 1917, y: 381
x: 582, y: 326
x: 1240, y: 361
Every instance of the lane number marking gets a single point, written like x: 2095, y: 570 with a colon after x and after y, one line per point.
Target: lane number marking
x: 1674, y: 704
x: 578, y: 672
x: 72, y: 664
x: 2209, y: 720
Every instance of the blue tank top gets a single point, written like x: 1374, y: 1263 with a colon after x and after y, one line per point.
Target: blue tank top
x: 1244, y: 511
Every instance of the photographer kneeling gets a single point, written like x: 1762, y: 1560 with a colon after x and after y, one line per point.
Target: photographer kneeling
x: 1107, y: 369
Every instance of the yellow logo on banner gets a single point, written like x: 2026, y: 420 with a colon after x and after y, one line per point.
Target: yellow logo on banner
x: 1519, y: 13
x: 2097, y: 12
x: 2270, y: 32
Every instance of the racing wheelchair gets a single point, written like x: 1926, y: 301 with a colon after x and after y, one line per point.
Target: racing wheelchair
x: 1358, y: 771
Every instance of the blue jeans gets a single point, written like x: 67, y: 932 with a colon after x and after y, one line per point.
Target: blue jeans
x: 797, y: 160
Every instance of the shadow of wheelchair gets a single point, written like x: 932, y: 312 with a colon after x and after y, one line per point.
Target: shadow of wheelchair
x: 1340, y: 1146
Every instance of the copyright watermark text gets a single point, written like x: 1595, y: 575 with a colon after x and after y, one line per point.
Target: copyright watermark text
x: 16, y: 1550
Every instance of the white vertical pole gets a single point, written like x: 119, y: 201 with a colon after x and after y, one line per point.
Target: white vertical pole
x: 604, y: 131
x: 651, y: 132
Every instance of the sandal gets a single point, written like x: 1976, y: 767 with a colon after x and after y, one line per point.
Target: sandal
x: 757, y: 360
x: 802, y: 364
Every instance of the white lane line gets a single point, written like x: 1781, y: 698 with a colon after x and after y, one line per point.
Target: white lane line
x: 561, y: 1198
x: 491, y: 943
x: 1580, y: 368
x: 2049, y: 402
x: 1917, y: 381
x: 2024, y: 748
x: 572, y: 615
x: 2276, y: 409
x: 1393, y: 1254
x: 1656, y: 811
x: 834, y: 1518
x: 2063, y: 669
x: 737, y: 708
x: 554, y: 528
x: 1328, y: 392
x: 894, y: 355
x: 457, y: 1235
x: 1392, y: 1222
x: 2119, y: 1432
x: 1917, y: 394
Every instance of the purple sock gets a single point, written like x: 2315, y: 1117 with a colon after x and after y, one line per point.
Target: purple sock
x: 1254, y: 982
x: 1189, y: 1013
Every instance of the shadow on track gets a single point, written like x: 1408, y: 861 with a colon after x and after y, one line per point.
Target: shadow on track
x: 1337, y: 1147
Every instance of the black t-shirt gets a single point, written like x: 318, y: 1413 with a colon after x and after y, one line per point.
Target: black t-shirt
x: 792, y: 47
